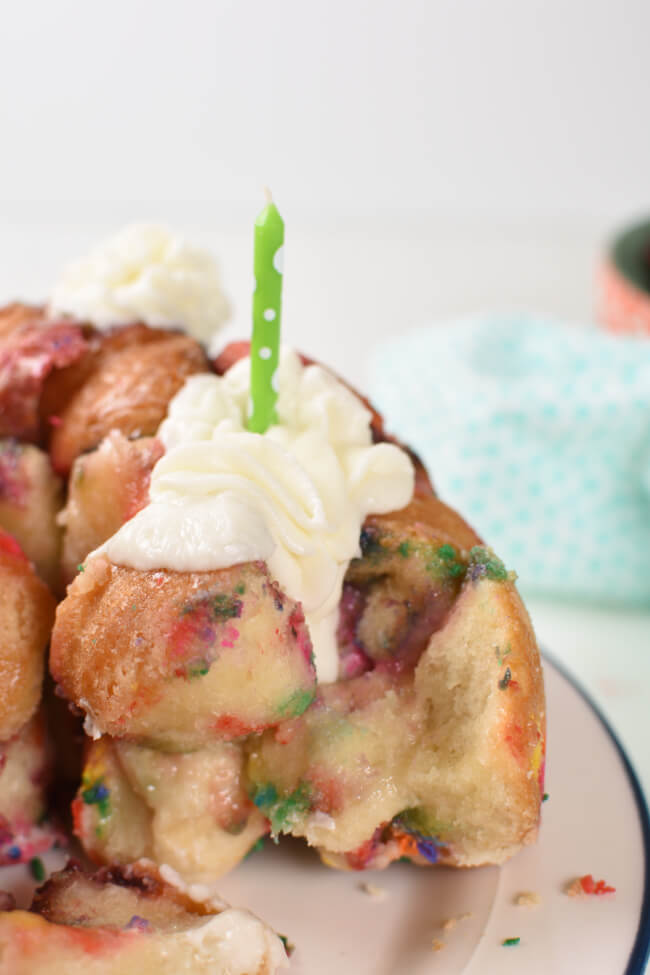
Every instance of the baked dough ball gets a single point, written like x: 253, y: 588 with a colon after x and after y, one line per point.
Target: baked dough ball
x: 437, y: 756
x: 31, y: 497
x: 26, y: 615
x: 179, y: 659
x: 131, y: 922
x: 107, y: 486
x: 17, y: 314
x: 25, y: 765
x: 31, y: 352
x: 132, y: 376
x: 191, y: 811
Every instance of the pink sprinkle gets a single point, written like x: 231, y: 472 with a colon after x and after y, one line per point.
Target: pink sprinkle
x: 231, y: 634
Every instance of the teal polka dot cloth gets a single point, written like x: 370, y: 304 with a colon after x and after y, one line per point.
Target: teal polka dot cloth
x: 540, y: 435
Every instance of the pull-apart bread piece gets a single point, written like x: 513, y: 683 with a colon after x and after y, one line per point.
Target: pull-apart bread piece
x: 64, y: 385
x: 107, y: 353
x: 129, y: 921
x: 26, y: 616
x: 104, y: 357
x: 31, y: 497
x: 333, y: 654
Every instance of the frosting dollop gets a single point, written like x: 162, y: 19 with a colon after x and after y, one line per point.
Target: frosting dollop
x: 144, y: 273
x: 295, y: 497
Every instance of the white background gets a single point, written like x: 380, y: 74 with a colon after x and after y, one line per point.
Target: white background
x: 468, y: 107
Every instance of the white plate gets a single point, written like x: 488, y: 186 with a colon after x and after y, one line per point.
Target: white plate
x: 595, y: 821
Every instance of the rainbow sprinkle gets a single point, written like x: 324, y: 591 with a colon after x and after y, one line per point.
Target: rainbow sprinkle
x: 37, y: 869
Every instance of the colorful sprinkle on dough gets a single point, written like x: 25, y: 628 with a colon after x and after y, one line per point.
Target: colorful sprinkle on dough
x: 37, y: 869
x: 505, y: 680
x: 138, y: 923
x: 289, y: 947
x: 98, y: 795
x: 296, y: 704
x: 282, y: 812
x: 510, y: 942
x: 484, y: 564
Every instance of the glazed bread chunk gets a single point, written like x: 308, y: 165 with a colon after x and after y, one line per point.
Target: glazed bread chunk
x: 25, y: 770
x: 31, y: 496
x: 128, y: 921
x: 107, y: 486
x: 129, y: 382
x: 178, y: 659
x: 26, y: 616
x: 191, y: 811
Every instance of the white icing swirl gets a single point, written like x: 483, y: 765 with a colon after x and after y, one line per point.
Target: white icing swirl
x: 144, y: 273
x: 295, y: 496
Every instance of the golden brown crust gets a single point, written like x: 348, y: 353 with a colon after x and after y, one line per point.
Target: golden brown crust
x: 26, y: 616
x: 31, y: 496
x: 106, y: 487
x: 17, y: 314
x: 134, y: 375
x: 168, y: 657
x: 29, y: 355
x: 426, y: 518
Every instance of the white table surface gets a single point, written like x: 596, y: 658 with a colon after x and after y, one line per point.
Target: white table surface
x: 347, y: 284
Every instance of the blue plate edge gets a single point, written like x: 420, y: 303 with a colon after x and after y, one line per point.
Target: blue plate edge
x: 640, y: 953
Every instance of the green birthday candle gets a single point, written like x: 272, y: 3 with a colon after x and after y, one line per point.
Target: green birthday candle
x: 267, y: 313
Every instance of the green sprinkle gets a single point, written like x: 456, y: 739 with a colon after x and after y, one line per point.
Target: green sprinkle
x: 81, y: 567
x: 442, y: 562
x: 505, y: 680
x: 545, y: 797
x: 98, y: 795
x: 455, y: 569
x: 447, y: 553
x: 483, y: 562
x: 501, y: 656
x: 509, y: 942
x: 282, y: 812
x: 296, y: 704
x: 288, y: 946
x: 199, y: 669
x: 37, y: 869
x: 404, y: 549
x: 240, y: 589
x: 226, y: 607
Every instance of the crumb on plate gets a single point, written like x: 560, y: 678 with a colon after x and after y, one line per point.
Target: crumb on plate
x: 527, y: 898
x: 586, y: 885
x: 377, y: 893
x: 451, y: 922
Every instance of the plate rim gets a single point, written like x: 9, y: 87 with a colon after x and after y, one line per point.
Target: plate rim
x: 640, y: 952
